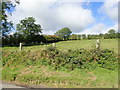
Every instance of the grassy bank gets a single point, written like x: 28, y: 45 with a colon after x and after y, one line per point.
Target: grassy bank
x: 47, y: 77
x: 33, y: 65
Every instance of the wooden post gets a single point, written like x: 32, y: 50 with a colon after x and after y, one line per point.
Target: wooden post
x: 81, y: 37
x: 20, y: 46
x: 41, y: 43
x: 54, y: 45
x: 98, y: 44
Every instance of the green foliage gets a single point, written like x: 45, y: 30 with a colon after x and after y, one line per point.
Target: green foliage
x: 51, y: 38
x: 84, y: 59
x: 63, y: 66
x: 69, y: 59
x: 75, y: 37
x: 28, y: 27
x: 111, y: 34
x: 6, y: 7
x: 15, y: 39
x: 111, y: 31
x: 64, y: 33
x: 28, y: 32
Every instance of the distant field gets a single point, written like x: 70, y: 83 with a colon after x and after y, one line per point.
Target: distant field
x: 74, y: 44
x: 88, y: 44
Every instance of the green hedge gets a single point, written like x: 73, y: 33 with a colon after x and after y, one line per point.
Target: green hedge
x: 52, y: 38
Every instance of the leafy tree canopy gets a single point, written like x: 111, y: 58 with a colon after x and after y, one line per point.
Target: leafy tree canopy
x: 111, y: 31
x: 6, y: 6
x: 64, y: 33
x: 27, y: 27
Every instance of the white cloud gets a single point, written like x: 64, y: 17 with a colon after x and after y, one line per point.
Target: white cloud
x: 74, y: 17
x: 96, y: 29
x: 54, y: 15
x: 99, y: 28
x: 110, y: 9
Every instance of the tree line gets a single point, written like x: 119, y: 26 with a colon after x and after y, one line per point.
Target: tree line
x: 30, y: 33
x: 111, y: 34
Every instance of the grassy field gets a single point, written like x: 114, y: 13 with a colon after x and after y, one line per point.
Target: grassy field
x: 76, y: 44
x: 88, y: 44
x: 46, y: 76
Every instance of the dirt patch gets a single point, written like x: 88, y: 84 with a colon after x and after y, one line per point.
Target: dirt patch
x: 27, y: 70
x: 49, y: 73
x: 92, y: 76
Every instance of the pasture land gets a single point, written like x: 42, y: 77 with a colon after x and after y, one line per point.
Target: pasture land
x: 111, y: 44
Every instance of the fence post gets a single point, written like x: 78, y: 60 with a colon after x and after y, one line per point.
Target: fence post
x: 41, y: 43
x: 81, y: 37
x: 20, y: 46
x: 98, y: 44
x: 54, y: 45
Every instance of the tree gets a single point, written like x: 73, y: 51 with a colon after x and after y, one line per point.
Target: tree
x: 29, y: 29
x: 83, y: 36
x: 111, y: 31
x: 64, y: 33
x: 75, y: 37
x: 101, y: 35
x: 7, y: 7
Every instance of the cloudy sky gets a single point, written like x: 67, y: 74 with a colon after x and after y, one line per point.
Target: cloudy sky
x: 81, y: 17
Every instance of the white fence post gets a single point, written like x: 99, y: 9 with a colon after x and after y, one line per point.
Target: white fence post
x: 54, y: 45
x: 20, y: 46
x: 98, y: 44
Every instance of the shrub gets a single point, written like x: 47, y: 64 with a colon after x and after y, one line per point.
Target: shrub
x: 52, y: 38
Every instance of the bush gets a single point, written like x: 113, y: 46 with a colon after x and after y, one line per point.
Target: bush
x: 52, y: 38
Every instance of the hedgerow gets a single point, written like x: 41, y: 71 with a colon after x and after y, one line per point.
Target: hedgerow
x: 52, y: 38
